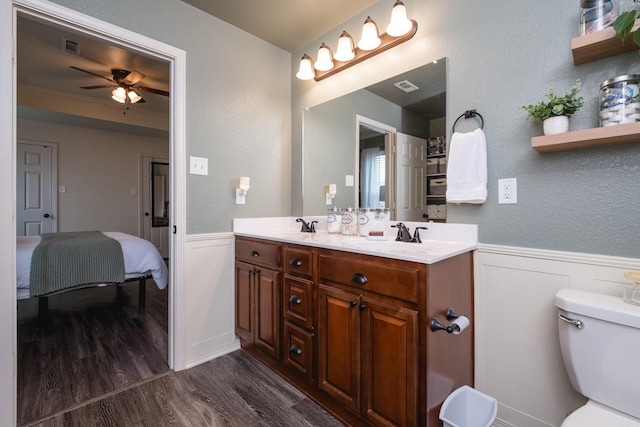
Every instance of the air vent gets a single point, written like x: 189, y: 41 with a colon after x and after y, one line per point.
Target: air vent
x: 406, y: 86
x: 71, y: 46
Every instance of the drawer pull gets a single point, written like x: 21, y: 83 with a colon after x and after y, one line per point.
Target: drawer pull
x: 295, y: 299
x: 295, y: 349
x: 359, y: 278
x: 295, y: 262
x: 255, y: 254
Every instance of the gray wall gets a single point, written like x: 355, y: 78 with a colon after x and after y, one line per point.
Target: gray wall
x: 503, y: 55
x: 238, y: 107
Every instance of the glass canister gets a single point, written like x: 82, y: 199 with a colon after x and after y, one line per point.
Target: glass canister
x: 383, y: 214
x: 620, y: 100
x: 596, y: 15
x: 350, y: 222
x: 334, y: 221
x: 366, y: 220
x: 631, y: 292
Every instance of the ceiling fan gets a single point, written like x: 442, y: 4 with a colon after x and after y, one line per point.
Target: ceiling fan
x: 124, y: 84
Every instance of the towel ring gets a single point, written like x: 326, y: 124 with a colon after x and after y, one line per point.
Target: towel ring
x: 467, y: 115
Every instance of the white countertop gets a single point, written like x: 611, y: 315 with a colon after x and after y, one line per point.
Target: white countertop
x: 439, y: 242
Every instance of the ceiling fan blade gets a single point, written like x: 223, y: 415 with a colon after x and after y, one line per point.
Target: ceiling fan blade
x: 152, y: 90
x: 97, y: 87
x: 133, y: 77
x: 89, y: 72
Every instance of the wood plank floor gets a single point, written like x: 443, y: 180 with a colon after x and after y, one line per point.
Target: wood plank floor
x: 91, y: 345
x: 98, y: 362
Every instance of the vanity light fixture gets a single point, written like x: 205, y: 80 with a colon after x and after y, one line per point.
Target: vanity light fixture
x: 241, y: 191
x: 399, y: 30
x: 330, y: 194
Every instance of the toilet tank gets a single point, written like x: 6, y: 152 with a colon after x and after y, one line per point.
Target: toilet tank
x: 603, y: 357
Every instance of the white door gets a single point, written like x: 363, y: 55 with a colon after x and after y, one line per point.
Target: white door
x: 158, y: 235
x: 36, y: 209
x: 411, y: 177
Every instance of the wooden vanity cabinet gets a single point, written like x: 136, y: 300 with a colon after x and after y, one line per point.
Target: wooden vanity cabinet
x: 368, y: 335
x: 258, y: 290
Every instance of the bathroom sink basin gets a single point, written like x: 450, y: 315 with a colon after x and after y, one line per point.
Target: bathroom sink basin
x: 427, y: 251
x: 389, y: 246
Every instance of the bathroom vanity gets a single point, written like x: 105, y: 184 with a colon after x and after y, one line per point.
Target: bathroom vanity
x: 348, y: 320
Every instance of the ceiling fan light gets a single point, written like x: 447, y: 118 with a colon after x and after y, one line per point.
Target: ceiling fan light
x: 400, y: 24
x: 306, y: 68
x: 119, y: 95
x: 370, y: 36
x: 345, y: 48
x: 133, y: 96
x: 325, y: 59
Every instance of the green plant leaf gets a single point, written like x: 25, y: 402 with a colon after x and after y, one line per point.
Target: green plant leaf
x: 624, y: 23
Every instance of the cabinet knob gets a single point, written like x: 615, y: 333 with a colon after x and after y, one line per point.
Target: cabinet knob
x: 255, y: 254
x: 296, y: 262
x: 359, y: 278
x: 362, y: 307
x: 353, y: 303
x: 295, y: 299
x: 295, y: 349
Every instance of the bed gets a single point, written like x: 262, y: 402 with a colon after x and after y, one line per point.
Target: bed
x: 141, y: 261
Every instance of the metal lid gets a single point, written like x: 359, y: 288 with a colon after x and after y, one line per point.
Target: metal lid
x: 620, y: 79
x: 585, y: 4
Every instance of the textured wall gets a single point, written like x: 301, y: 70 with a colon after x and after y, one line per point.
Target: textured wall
x: 503, y: 55
x: 238, y: 107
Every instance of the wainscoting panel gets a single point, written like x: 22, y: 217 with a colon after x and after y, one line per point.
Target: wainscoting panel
x: 210, y: 297
x: 518, y: 358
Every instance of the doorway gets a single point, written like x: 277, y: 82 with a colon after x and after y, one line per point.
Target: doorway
x: 176, y: 58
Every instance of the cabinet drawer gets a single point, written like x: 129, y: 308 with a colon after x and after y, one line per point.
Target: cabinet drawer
x: 258, y: 252
x: 298, y: 301
x: 298, y: 260
x: 394, y: 278
x: 298, y: 349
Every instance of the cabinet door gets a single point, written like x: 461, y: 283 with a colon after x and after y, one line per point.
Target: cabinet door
x: 390, y: 364
x: 339, y: 345
x: 245, y: 306
x: 267, y: 329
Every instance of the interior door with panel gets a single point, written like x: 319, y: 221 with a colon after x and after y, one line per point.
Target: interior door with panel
x: 36, y: 201
x: 411, y: 177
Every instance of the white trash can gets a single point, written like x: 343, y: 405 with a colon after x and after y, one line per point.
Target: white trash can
x: 467, y: 407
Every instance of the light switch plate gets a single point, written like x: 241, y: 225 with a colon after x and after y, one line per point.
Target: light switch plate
x: 198, y: 165
x: 348, y: 180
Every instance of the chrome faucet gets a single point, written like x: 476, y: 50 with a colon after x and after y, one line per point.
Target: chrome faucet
x: 307, y: 228
x: 404, y: 235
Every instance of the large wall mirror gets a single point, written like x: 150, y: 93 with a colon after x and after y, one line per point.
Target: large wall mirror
x: 159, y: 194
x: 351, y: 138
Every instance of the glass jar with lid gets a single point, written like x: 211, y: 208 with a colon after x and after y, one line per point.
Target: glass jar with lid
x: 350, y: 222
x: 620, y: 100
x: 334, y: 221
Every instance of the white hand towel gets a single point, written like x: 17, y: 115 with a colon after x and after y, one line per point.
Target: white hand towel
x: 467, y: 168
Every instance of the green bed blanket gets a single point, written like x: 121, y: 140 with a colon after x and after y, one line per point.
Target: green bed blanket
x: 71, y: 260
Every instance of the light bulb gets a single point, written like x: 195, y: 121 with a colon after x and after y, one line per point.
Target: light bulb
x: 325, y: 59
x: 370, y: 36
x: 345, y: 48
x: 119, y: 95
x: 400, y: 24
x: 306, y: 68
x: 133, y: 96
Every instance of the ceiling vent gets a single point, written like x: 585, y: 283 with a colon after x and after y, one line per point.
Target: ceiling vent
x: 406, y: 86
x: 71, y: 46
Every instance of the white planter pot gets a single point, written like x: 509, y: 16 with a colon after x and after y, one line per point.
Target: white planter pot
x: 555, y: 125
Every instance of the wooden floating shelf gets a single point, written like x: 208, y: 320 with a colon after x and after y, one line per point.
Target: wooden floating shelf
x: 601, y: 44
x: 610, y: 135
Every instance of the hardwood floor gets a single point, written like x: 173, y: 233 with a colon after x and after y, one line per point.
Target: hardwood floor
x: 101, y: 363
x: 232, y: 390
x: 90, y: 345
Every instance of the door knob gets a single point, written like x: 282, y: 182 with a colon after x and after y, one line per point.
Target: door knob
x: 146, y: 214
x: 46, y: 215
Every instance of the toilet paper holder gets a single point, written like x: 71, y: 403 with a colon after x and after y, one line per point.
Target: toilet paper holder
x: 457, y: 325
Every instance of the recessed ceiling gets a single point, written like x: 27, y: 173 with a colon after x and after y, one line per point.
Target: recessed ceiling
x: 288, y: 24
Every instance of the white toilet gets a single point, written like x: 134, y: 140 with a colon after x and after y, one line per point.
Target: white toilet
x: 600, y: 343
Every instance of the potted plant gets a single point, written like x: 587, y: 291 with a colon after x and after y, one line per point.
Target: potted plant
x: 554, y: 113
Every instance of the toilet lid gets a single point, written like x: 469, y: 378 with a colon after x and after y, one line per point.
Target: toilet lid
x: 594, y: 415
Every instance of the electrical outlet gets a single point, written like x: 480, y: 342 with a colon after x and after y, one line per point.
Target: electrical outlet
x: 507, y: 191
